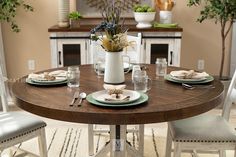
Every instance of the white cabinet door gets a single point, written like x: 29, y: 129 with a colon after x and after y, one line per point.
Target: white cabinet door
x: 71, y: 52
x: 167, y: 48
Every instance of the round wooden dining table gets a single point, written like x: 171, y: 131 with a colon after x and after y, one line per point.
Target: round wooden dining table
x: 167, y: 101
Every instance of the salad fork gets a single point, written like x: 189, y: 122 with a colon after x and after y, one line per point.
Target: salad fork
x: 75, y: 97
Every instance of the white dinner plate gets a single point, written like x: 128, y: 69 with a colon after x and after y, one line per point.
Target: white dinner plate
x: 29, y: 81
x: 101, y: 95
x: 188, y: 80
x: 57, y: 80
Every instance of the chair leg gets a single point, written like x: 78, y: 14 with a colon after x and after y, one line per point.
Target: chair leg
x: 90, y: 140
x: 42, y: 143
x: 177, y: 149
x: 168, y: 144
x: 222, y: 153
x: 141, y: 139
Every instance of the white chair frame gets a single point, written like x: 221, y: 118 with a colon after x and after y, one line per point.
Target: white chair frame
x: 138, y: 129
x: 205, y: 147
x: 40, y: 133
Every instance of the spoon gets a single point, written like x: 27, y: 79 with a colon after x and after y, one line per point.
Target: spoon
x: 82, y: 96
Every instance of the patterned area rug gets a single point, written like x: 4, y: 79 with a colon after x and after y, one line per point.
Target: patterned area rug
x: 72, y: 142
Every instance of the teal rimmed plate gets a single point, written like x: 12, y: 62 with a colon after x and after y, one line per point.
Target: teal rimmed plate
x: 189, y: 81
x: 43, y: 83
x: 143, y: 98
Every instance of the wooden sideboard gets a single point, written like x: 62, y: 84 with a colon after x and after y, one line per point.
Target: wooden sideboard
x: 154, y: 42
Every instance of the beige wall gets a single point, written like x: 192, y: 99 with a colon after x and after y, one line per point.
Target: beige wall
x: 200, y: 41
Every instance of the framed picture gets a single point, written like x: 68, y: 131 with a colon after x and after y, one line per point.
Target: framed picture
x: 93, y: 8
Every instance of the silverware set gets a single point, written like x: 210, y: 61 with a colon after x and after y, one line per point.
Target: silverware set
x: 188, y: 86
x: 76, y: 96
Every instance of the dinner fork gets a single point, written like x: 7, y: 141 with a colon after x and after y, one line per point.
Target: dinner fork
x: 75, y: 97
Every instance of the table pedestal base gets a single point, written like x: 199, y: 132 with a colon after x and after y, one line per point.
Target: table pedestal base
x: 118, y: 145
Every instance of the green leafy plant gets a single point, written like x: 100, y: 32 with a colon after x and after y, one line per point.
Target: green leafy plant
x: 223, y: 12
x: 8, y: 11
x: 143, y: 8
x: 75, y: 15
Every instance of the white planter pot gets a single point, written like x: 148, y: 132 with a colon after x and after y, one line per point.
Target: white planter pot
x: 165, y: 17
x: 114, y: 70
x: 144, y: 19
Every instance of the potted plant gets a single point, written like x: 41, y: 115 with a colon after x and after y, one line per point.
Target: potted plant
x: 9, y: 9
x: 223, y: 12
x: 144, y: 15
x: 75, y: 17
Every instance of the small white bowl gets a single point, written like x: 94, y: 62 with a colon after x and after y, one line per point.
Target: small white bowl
x: 144, y: 19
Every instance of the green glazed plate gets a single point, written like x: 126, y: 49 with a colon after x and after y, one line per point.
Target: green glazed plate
x: 207, y: 80
x: 143, y: 98
x: 43, y: 83
x: 162, y: 25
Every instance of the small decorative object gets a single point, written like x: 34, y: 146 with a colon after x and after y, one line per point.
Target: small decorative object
x: 165, y: 10
x: 144, y: 15
x: 75, y: 17
x: 113, y: 42
x: 63, y: 11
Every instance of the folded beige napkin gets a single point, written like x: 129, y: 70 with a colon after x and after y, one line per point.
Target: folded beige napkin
x: 58, y: 73
x: 113, y: 97
x: 191, y: 74
x: 36, y: 76
x: 115, y: 93
x: 48, y: 76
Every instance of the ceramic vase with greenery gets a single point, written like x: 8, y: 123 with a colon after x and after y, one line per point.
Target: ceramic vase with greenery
x: 75, y: 17
x: 223, y: 12
x: 113, y: 42
x: 8, y: 10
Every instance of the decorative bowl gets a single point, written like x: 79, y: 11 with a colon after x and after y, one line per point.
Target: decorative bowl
x: 144, y: 19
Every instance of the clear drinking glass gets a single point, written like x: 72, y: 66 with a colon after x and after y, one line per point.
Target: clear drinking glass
x: 99, y: 66
x: 142, y: 83
x: 73, y: 76
x: 161, y: 67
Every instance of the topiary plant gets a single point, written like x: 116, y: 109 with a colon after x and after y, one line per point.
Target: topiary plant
x: 223, y: 12
x: 8, y: 10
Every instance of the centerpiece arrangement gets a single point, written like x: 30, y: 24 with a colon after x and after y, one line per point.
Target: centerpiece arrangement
x: 113, y: 41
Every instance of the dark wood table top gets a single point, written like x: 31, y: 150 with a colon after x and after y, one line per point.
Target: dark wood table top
x: 167, y: 101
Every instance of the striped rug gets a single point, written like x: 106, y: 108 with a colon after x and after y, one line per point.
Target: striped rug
x: 72, y: 142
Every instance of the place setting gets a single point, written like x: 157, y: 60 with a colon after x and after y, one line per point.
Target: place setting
x: 57, y: 77
x: 116, y: 96
x: 190, y: 79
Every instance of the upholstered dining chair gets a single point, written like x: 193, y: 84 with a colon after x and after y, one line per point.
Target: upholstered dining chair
x: 17, y: 127
x: 204, y: 132
x: 134, y: 52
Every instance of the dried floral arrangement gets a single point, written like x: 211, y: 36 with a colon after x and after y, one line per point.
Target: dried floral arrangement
x: 115, y: 38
